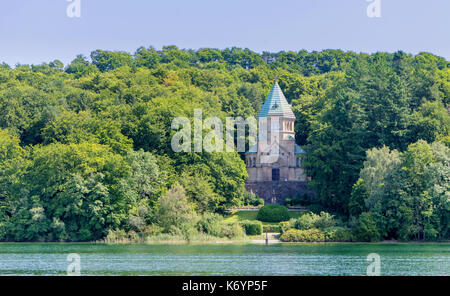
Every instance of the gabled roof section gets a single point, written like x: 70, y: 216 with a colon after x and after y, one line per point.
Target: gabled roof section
x: 276, y: 104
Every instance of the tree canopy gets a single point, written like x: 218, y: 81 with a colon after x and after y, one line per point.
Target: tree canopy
x: 86, y: 147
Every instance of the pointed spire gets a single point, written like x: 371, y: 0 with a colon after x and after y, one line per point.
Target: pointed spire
x: 276, y: 103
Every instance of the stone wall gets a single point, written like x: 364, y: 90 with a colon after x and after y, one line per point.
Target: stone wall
x: 278, y: 191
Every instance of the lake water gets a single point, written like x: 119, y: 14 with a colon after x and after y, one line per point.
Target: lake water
x: 217, y: 259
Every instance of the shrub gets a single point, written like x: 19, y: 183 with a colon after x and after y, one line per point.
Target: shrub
x: 211, y: 224
x: 298, y: 201
x: 116, y: 235
x: 152, y: 230
x: 367, y: 229
x: 310, y: 235
x: 273, y: 228
x: 305, y: 221
x: 285, y: 225
x: 311, y: 220
x: 338, y: 234
x: 120, y: 236
x: 257, y: 202
x: 252, y: 227
x: 273, y: 213
x: 174, y: 209
x: 324, y: 220
x: 252, y: 199
x: 316, y: 208
x: 233, y: 231
x: 288, y: 201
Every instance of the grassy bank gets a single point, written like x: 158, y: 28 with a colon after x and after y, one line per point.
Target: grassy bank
x: 178, y: 239
x: 239, y: 216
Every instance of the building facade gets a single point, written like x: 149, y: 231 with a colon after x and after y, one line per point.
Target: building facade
x: 274, y: 164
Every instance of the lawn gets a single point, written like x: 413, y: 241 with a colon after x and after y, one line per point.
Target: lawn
x: 237, y: 216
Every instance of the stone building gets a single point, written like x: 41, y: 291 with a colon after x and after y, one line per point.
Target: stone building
x: 274, y: 164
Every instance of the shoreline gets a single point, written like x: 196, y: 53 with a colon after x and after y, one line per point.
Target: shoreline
x: 230, y: 242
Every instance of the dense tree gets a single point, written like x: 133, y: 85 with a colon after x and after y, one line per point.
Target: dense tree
x: 68, y: 192
x: 108, y: 60
x: 87, y: 148
x: 406, y: 194
x: 174, y: 209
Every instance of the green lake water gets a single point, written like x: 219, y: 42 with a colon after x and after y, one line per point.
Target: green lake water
x: 225, y: 259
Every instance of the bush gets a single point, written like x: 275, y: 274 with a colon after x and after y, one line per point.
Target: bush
x: 305, y: 221
x: 152, y: 230
x: 316, y: 208
x: 257, y: 202
x: 273, y: 228
x: 310, y: 235
x: 120, y: 236
x: 311, y: 220
x: 324, y: 220
x: 367, y: 229
x: 298, y: 201
x: 273, y: 213
x: 285, y: 225
x: 116, y: 235
x: 211, y: 224
x: 252, y: 227
x: 338, y: 234
x: 233, y: 231
x: 252, y: 199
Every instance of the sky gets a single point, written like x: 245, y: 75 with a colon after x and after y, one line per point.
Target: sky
x: 36, y: 31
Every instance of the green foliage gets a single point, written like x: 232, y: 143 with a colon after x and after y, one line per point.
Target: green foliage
x: 201, y: 192
x: 212, y: 224
x: 108, y: 60
x: 273, y: 213
x: 310, y: 235
x: 371, y: 108
x: 311, y: 220
x: 174, y: 210
x: 68, y: 192
x: 233, y: 231
x: 257, y: 202
x: 252, y: 227
x: 70, y: 127
x: 367, y: 229
x: 338, y: 234
x: 329, y: 234
x: 356, y: 204
x: 83, y: 127
x: 273, y: 228
x: 285, y: 225
x: 252, y: 199
x: 403, y: 193
x: 303, y: 200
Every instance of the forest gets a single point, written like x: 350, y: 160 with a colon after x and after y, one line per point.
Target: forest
x: 85, y: 148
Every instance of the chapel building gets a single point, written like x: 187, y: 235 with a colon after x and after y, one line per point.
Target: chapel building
x: 274, y: 164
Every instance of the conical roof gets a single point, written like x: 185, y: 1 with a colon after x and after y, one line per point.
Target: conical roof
x: 276, y: 104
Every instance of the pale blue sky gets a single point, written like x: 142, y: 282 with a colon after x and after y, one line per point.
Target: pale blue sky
x: 35, y: 31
